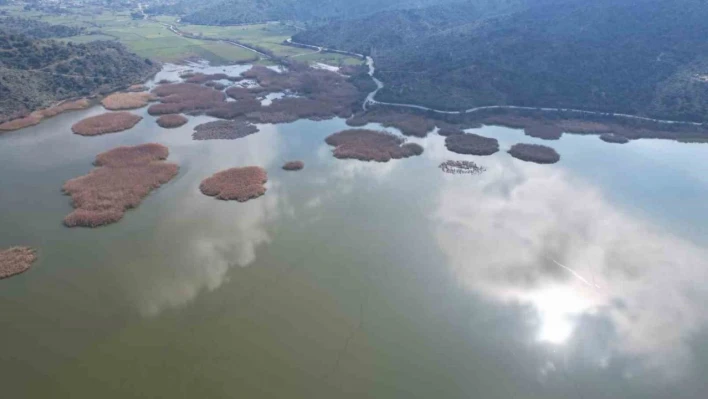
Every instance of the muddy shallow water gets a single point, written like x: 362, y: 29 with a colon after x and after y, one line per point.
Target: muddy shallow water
x: 353, y: 279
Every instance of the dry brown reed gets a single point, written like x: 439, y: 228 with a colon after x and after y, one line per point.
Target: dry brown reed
x: 371, y: 145
x: 37, y: 116
x: 223, y: 130
x: 471, y: 144
x: 240, y: 184
x: 122, y: 178
x: 534, y: 153
x: 124, y: 101
x: 614, y: 138
x: 294, y: 165
x: 16, y: 260
x: 235, y: 109
x: 110, y: 122
x: 185, y: 97
x: 171, y: 121
x: 409, y: 124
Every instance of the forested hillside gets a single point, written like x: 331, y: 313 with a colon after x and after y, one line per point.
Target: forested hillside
x: 225, y: 12
x: 647, y: 57
x: 37, y: 29
x: 35, y: 73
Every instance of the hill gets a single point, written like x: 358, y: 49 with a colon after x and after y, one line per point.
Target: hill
x: 645, y: 57
x: 228, y: 12
x: 36, y: 73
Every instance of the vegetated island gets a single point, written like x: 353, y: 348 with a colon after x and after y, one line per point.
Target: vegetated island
x: 614, y: 138
x: 371, y: 145
x: 122, y: 178
x: 240, y: 184
x: 408, y: 123
x: 16, y: 260
x: 124, y: 101
x: 461, y: 167
x: 223, y: 130
x: 534, y: 153
x: 170, y: 121
x: 471, y: 144
x: 294, y: 165
x: 110, y: 122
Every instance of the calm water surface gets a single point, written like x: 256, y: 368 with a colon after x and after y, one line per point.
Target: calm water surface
x: 351, y: 279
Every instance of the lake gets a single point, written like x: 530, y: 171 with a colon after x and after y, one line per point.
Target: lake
x: 585, y: 279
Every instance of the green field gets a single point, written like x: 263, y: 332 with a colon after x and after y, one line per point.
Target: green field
x: 151, y: 39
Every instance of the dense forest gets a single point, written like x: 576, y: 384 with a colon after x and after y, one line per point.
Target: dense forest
x: 35, y: 73
x: 226, y: 12
x: 646, y: 57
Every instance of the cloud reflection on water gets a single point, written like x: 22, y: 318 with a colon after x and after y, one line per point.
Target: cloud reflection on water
x: 537, y: 236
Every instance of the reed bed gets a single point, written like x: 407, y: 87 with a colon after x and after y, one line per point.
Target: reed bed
x: 239, y: 184
x: 125, y: 101
x: 122, y: 178
x: 16, y: 260
x: 110, y: 122
x: 371, y: 145
x: 294, y: 165
x: 471, y: 144
x: 223, y: 130
x: 170, y: 121
x: 534, y: 153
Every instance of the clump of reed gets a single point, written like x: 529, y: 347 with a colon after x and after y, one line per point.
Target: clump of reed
x: 37, y: 116
x: 171, y: 121
x: 614, y: 138
x: 534, y: 153
x: 122, y: 178
x: 371, y: 145
x: 235, y: 109
x: 110, y: 122
x: 240, y: 184
x: 16, y: 260
x: 185, y: 97
x: 223, y: 130
x: 293, y: 165
x: 123, y: 101
x: 471, y: 144
x: 461, y: 167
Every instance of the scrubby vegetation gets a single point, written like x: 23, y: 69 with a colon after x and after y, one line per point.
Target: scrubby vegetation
x: 240, y: 184
x: 614, y: 138
x: 294, y: 165
x: 37, y: 29
x: 36, y: 73
x: 16, y: 260
x: 123, y: 101
x: 223, y: 130
x: 110, y: 122
x: 471, y: 144
x: 371, y: 145
x: 534, y: 153
x: 171, y: 121
x: 122, y: 178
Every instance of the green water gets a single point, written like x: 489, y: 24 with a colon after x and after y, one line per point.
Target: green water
x: 353, y: 279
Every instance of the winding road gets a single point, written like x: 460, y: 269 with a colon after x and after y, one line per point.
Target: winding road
x: 371, y: 100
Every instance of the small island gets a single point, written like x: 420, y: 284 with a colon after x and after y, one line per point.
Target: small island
x: 461, y: 168
x: 614, y: 138
x: 240, y: 184
x: 16, y: 260
x: 471, y: 144
x: 125, y: 101
x: 534, y: 153
x: 122, y: 178
x: 110, y: 122
x: 170, y: 121
x: 371, y: 145
x: 544, y: 131
x: 293, y: 165
x: 223, y: 130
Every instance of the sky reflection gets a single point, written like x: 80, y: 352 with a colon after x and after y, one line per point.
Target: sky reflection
x: 541, y: 237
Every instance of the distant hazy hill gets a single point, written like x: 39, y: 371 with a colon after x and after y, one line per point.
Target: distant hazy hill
x: 37, y: 29
x: 225, y: 12
x: 36, y: 73
x: 636, y: 56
